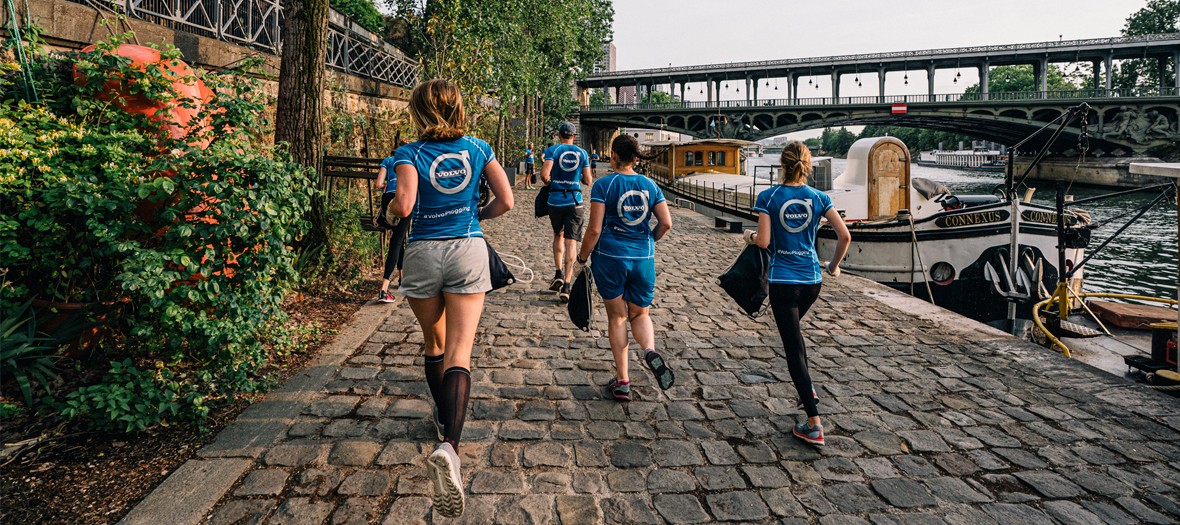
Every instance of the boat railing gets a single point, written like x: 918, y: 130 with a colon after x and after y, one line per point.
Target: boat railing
x: 1055, y: 342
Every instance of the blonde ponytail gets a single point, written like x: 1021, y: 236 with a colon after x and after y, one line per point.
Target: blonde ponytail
x: 796, y: 163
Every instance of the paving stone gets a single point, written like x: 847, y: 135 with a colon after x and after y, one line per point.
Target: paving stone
x: 737, y: 506
x: 354, y: 453
x: 627, y: 480
x: 757, y: 452
x: 669, y: 480
x: 318, y: 481
x: 548, y: 454
x: 924, y: 441
x: 814, y: 500
x: 550, y: 483
x: 242, y: 512
x: 294, y: 455
x: 838, y: 469
x: 333, y: 406
x: 533, y: 509
x: 1014, y: 513
x: 1071, y: 513
x: 577, y: 509
x: 675, y: 453
x: 631, y: 510
x: 1141, y: 511
x: 399, y: 453
x: 783, y: 503
x: 365, y: 483
x: 680, y: 508
x: 719, y: 478
x: 496, y: 482
x: 301, y: 511
x: 590, y: 455
x: 955, y: 490
x: 853, y: 498
x: 264, y: 482
x: 993, y: 437
x: 720, y: 453
x: 883, y: 443
x: 877, y: 468
x: 521, y: 430
x: 1049, y: 484
x: 410, y: 510
x: 630, y: 455
x: 904, y: 493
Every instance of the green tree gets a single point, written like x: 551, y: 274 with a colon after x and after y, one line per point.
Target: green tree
x: 659, y: 97
x: 1159, y: 16
x: 515, y: 50
x: 838, y: 142
x: 598, y: 98
x: 1021, y: 78
x: 362, y: 12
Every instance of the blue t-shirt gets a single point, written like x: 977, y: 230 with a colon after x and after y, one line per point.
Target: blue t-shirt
x: 390, y: 174
x: 629, y: 200
x: 528, y: 155
x: 794, y: 213
x: 448, y: 186
x: 565, y: 178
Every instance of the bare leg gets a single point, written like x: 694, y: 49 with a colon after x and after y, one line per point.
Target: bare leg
x: 616, y: 329
x: 571, y: 251
x: 641, y: 326
x: 558, y: 250
x: 462, y: 320
x: 432, y: 318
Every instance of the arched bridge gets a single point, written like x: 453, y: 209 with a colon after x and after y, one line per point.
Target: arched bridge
x: 1121, y: 122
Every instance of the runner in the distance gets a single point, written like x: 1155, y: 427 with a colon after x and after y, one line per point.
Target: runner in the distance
x: 565, y: 169
x: 529, y: 176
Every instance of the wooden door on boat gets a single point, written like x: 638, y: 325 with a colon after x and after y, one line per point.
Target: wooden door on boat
x: 889, y: 178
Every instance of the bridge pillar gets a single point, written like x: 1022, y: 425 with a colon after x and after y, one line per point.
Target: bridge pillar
x: 930, y: 81
x: 747, y: 90
x: 1106, y: 60
x: 709, y: 87
x: 1176, y: 67
x: 984, y: 78
x: 755, y: 91
x: 1041, y: 72
x: 835, y: 85
x: 1162, y: 65
x: 791, y: 87
x: 881, y: 84
x: 683, y: 96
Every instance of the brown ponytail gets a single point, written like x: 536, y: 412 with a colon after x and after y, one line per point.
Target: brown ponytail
x: 436, y: 111
x: 796, y: 163
x: 626, y: 149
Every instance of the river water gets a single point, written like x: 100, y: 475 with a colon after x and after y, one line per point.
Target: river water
x: 1141, y: 260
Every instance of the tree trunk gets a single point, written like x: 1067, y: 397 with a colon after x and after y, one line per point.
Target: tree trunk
x: 299, y: 117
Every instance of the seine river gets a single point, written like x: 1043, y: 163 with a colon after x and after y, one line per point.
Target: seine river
x: 1142, y: 260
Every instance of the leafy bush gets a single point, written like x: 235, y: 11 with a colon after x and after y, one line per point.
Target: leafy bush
x: 26, y: 355
x: 189, y: 243
x: 362, y: 12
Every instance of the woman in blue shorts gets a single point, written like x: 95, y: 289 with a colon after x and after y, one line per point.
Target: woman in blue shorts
x: 623, y: 243
x: 445, y: 273
x: 788, y: 218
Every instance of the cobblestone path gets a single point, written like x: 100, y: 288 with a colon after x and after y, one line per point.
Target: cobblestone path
x: 925, y: 423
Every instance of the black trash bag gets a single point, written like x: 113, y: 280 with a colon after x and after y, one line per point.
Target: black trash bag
x: 581, y: 305
x: 541, y: 205
x: 746, y: 280
x: 501, y: 275
x: 385, y: 218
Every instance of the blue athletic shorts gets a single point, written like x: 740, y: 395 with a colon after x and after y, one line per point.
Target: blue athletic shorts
x: 634, y: 279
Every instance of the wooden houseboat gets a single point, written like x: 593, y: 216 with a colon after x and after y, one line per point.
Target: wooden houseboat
x: 681, y: 159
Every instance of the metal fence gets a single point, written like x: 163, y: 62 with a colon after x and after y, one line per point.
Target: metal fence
x: 257, y: 24
x: 1087, y: 94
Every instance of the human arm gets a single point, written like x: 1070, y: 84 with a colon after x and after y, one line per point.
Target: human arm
x: 587, y: 178
x: 663, y: 220
x: 593, y: 231
x: 762, y: 236
x: 380, y: 186
x: 407, y: 190
x: 546, y: 167
x: 502, y: 200
x: 843, y: 240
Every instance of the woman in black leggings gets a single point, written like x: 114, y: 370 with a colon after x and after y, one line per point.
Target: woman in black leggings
x: 387, y: 181
x: 788, y: 218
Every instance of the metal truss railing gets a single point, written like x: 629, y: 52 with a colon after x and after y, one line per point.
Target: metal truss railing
x: 1088, y: 94
x: 913, y: 56
x: 258, y: 23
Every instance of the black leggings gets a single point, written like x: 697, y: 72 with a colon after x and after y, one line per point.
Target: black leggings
x: 790, y: 303
x: 397, y: 241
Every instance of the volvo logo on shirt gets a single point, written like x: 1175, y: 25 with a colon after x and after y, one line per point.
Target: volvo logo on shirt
x: 568, y: 161
x: 794, y: 211
x: 628, y: 208
x: 440, y: 176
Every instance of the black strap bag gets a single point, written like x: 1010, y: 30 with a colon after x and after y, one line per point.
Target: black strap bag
x: 581, y: 306
x: 541, y: 205
x: 746, y: 280
x: 501, y: 275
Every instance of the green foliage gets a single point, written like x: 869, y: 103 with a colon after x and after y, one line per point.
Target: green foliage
x: 362, y: 12
x: 129, y: 399
x: 9, y: 410
x: 838, y: 142
x: 659, y: 97
x: 26, y: 355
x: 191, y: 242
x: 1158, y: 16
x: 511, y: 49
x: 598, y: 98
x: 918, y: 139
x: 1020, y: 78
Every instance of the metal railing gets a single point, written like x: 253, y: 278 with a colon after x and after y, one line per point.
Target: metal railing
x: 915, y: 56
x: 258, y: 23
x: 728, y: 199
x: 1087, y: 94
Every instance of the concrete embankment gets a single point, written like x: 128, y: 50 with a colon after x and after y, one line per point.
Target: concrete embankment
x: 929, y: 418
x: 1108, y: 172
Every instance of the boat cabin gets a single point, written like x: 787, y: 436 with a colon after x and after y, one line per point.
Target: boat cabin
x: 681, y: 159
x: 876, y: 180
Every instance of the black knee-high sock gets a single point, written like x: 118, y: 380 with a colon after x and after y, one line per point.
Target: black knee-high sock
x: 456, y: 390
x: 434, y: 380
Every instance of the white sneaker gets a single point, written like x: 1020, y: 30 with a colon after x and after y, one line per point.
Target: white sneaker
x: 443, y: 470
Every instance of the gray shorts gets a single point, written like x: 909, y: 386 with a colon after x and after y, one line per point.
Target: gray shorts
x: 458, y: 266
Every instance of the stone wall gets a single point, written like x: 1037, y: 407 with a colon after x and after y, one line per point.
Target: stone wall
x: 1111, y: 172
x: 71, y: 26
